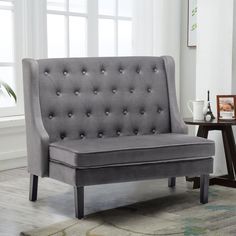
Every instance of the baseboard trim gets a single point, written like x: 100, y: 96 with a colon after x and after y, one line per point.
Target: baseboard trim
x: 13, y: 163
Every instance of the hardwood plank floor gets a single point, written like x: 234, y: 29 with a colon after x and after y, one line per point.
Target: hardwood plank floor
x: 55, y: 199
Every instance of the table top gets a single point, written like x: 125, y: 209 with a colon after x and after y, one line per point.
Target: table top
x: 215, y: 122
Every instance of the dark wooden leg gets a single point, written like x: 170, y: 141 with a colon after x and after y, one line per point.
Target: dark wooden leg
x: 33, y: 188
x: 171, y: 182
x: 79, y: 202
x: 228, y: 152
x: 232, y: 147
x: 204, y: 185
x: 202, y: 131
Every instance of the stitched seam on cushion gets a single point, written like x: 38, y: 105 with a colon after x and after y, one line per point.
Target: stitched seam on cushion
x: 131, y: 163
x: 121, y: 150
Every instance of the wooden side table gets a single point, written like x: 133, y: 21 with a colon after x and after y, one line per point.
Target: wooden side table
x: 228, y: 180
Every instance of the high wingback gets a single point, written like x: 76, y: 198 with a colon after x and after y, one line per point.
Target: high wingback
x: 75, y: 98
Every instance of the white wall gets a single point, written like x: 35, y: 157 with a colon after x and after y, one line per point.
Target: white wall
x: 12, y: 143
x: 187, y: 64
x: 214, y: 59
x: 187, y: 67
x: 234, y: 53
x: 166, y: 32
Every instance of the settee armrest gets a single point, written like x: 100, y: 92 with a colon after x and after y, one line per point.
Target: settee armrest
x: 37, y: 136
x: 176, y: 120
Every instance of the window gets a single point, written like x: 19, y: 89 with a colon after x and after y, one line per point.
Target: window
x: 67, y: 28
x: 115, y: 27
x: 7, y: 55
x: 78, y: 28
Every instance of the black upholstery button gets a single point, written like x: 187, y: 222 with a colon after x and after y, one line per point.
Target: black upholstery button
x: 138, y: 71
x: 76, y: 92
x: 135, y: 131
x: 107, y: 112
x: 100, y: 134
x: 50, y: 116
x: 155, y: 69
x: 118, y: 132
x: 58, y: 93
x: 142, y: 111
x: 113, y: 90
x: 46, y: 73
x: 95, y: 91
x: 62, y: 135
x: 149, y: 90
x: 159, y: 110
x: 82, y: 135
x: 103, y: 71
x: 65, y: 73
x: 70, y: 114
x: 153, y: 130
x: 84, y: 71
x: 88, y: 113
x: 121, y: 70
x: 131, y: 90
x: 125, y: 111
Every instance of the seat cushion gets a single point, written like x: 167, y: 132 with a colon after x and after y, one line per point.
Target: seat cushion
x: 87, y: 153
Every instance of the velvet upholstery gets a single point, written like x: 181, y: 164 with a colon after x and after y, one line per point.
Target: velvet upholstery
x: 90, y: 153
x: 107, y: 120
x: 75, y: 98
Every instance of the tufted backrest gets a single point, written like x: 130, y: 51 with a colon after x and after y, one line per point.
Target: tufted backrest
x: 103, y: 97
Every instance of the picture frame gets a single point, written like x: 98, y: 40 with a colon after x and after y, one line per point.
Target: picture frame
x: 226, y: 107
x: 192, y: 23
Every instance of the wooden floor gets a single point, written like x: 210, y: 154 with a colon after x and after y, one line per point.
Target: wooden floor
x: 55, y: 200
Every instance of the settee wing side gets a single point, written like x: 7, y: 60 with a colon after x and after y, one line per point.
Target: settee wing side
x: 37, y: 136
x: 177, y: 123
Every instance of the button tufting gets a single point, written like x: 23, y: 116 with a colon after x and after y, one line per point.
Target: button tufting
x: 135, y: 131
x: 149, y: 90
x: 50, y: 116
x: 121, y: 70
x: 118, y: 132
x: 103, y: 71
x: 95, y: 91
x: 62, y: 135
x: 107, y: 112
x: 155, y: 69
x: 113, y: 90
x: 82, y: 135
x: 84, y: 71
x: 76, y: 92
x: 70, y: 114
x: 88, y: 113
x: 100, y: 134
x: 131, y: 90
x: 142, y: 111
x: 153, y: 130
x: 58, y: 93
x: 159, y: 110
x: 138, y: 70
x: 65, y: 73
x: 46, y: 73
x: 125, y: 111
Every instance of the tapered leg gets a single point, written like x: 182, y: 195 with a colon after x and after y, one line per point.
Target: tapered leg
x: 33, y: 188
x: 79, y: 202
x: 171, y: 182
x: 204, y: 185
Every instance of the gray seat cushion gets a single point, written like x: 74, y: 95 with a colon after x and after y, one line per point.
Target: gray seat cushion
x: 87, y: 153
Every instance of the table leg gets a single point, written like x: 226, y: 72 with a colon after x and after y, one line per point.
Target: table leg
x: 202, y: 131
x: 228, y: 140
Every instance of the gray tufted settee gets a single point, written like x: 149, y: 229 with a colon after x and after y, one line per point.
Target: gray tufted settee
x: 106, y: 120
